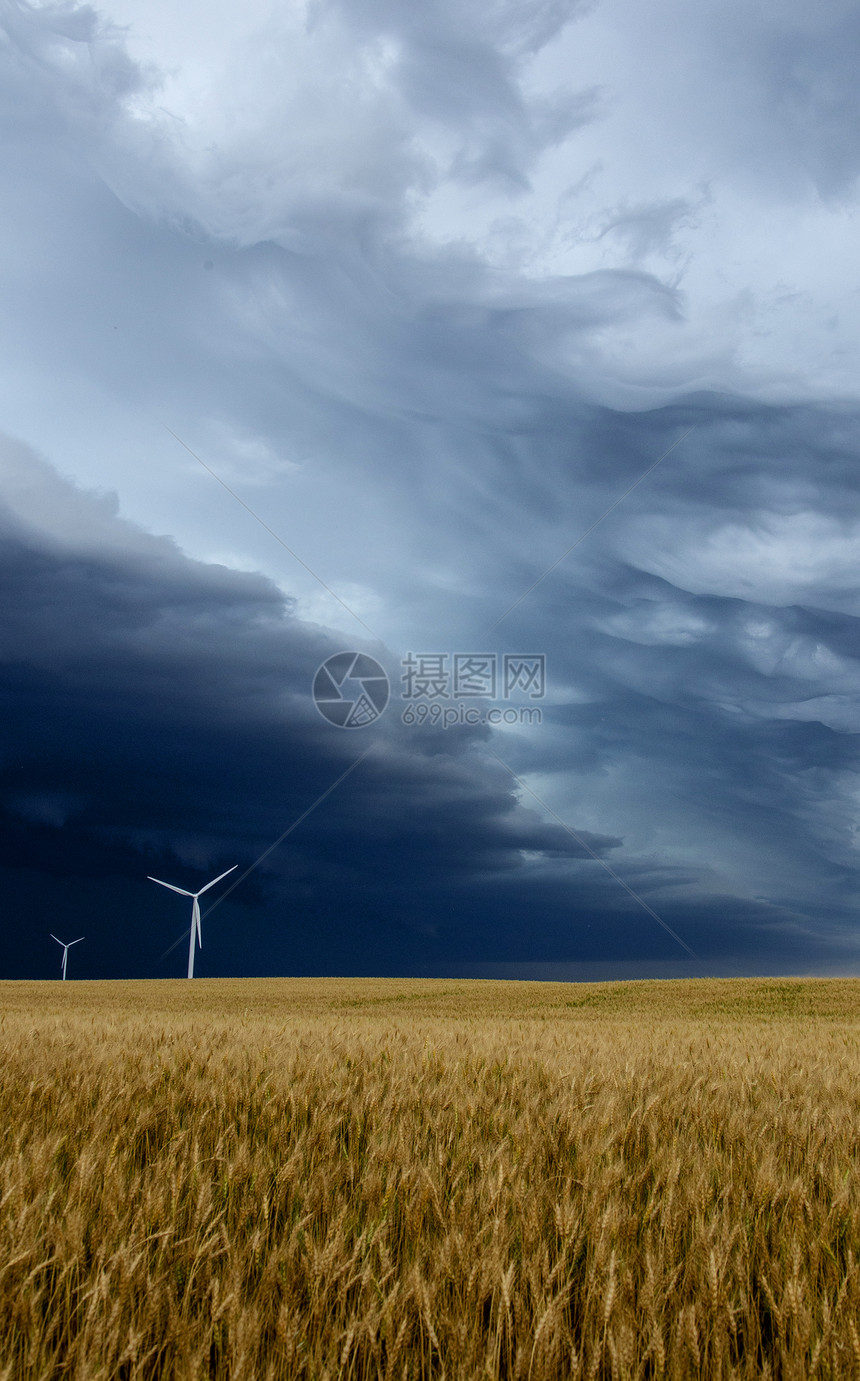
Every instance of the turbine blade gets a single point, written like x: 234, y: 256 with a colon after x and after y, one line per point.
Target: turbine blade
x: 78, y: 941
x: 196, y: 919
x: 53, y: 937
x: 218, y: 879
x: 181, y: 890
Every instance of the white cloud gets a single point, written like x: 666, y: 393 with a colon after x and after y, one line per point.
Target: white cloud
x: 658, y: 624
x: 766, y: 558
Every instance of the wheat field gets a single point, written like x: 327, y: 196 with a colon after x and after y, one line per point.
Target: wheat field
x: 328, y: 1178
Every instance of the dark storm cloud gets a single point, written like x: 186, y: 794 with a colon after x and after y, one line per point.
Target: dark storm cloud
x: 157, y: 716
x: 711, y: 642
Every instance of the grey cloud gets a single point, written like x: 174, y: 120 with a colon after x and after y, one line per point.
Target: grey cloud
x: 69, y: 54
x: 808, y: 65
x: 766, y: 94
x: 649, y: 226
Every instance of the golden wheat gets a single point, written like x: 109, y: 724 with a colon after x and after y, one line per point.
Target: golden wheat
x: 396, y: 1179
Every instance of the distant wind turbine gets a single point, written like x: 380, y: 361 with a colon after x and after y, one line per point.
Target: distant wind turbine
x: 66, y: 948
x: 195, y: 911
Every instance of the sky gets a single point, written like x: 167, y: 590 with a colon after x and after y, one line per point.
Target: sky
x: 511, y: 348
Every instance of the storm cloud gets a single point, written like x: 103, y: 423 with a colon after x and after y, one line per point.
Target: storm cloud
x: 520, y: 328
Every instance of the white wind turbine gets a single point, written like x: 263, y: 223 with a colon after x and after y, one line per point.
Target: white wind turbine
x: 195, y: 911
x: 66, y: 948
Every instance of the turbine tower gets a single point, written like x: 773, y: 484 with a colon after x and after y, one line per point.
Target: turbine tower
x: 195, y: 911
x: 66, y: 948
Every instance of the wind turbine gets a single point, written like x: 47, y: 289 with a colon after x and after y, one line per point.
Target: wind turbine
x: 195, y: 911
x: 66, y: 948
